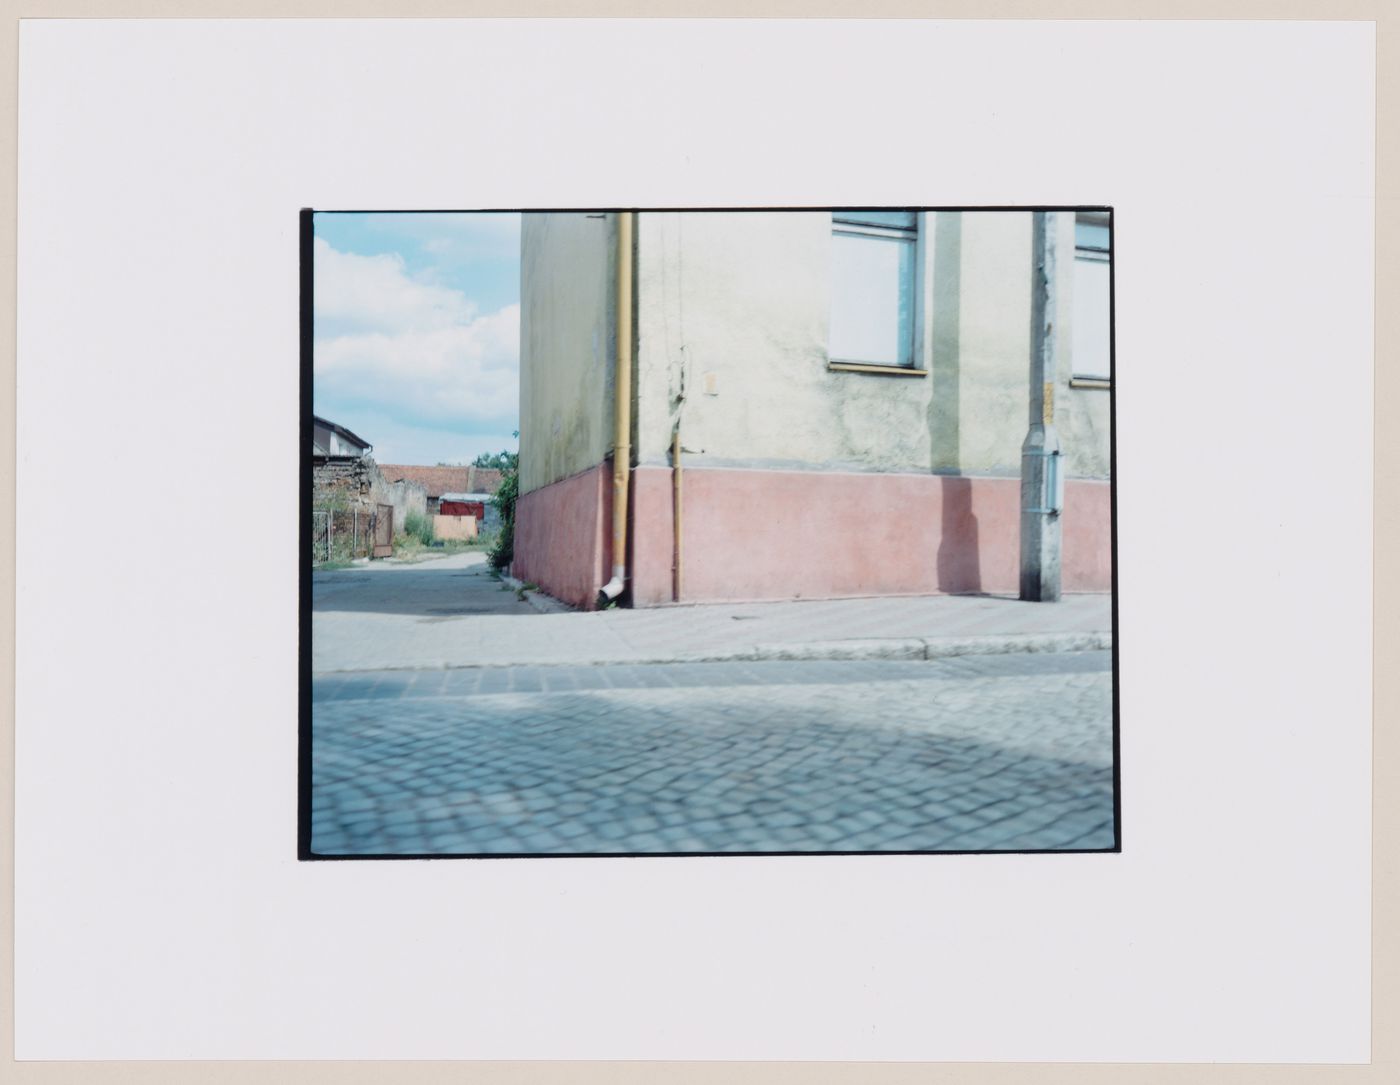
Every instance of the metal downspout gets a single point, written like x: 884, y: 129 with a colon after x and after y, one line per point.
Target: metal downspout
x: 676, y: 586
x: 622, y: 411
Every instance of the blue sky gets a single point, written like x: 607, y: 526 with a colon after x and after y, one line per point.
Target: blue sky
x: 416, y: 331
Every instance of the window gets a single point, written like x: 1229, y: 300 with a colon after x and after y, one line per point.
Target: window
x: 874, y: 294
x: 1092, y: 260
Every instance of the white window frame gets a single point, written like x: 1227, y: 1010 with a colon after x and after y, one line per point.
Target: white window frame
x: 917, y: 365
x: 1093, y: 254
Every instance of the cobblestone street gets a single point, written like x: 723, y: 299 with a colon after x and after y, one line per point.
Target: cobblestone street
x: 977, y: 753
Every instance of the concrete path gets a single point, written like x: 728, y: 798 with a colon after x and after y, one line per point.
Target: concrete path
x: 987, y: 753
x: 452, y: 613
x: 447, y: 587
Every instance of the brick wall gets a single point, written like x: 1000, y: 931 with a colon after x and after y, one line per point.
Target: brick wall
x: 359, y: 484
x: 342, y: 483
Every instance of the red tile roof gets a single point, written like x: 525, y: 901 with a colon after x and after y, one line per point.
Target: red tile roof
x: 444, y: 480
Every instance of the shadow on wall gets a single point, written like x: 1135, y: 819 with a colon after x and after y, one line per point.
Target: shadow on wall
x: 959, y: 553
x: 945, y: 405
x: 959, y: 567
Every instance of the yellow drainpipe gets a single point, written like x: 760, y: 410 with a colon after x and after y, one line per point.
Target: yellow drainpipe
x: 676, y: 498
x: 622, y: 410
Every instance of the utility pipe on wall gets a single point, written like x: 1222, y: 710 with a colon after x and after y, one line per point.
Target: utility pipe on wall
x: 622, y: 411
x: 676, y: 512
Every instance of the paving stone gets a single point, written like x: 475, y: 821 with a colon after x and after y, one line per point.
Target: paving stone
x: 807, y: 756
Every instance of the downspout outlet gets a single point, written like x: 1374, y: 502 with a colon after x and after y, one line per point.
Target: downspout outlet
x: 612, y: 589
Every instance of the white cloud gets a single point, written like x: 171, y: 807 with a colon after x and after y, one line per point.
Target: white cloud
x: 413, y: 351
x: 376, y: 294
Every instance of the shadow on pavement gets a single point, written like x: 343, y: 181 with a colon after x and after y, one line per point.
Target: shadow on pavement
x: 441, y: 588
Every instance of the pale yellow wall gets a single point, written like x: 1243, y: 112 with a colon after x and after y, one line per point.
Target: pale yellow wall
x: 742, y: 299
x: 981, y: 341
x: 1084, y: 422
x: 734, y: 307
x: 1082, y: 414
x: 454, y: 527
x: 566, y: 345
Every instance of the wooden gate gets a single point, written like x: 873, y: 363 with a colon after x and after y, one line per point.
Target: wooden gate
x: 384, y: 531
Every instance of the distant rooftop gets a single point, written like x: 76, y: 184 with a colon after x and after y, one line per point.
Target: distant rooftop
x: 329, y: 446
x: 444, y: 480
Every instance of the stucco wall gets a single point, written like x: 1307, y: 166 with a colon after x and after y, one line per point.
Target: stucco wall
x: 454, y: 527
x: 1083, y: 417
x: 981, y: 329
x: 561, y: 537
x: 734, y: 309
x: 765, y: 534
x: 406, y: 497
x: 1084, y: 423
x: 741, y: 300
x: 566, y: 345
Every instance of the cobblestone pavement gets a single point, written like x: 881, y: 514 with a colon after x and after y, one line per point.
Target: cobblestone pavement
x: 970, y: 754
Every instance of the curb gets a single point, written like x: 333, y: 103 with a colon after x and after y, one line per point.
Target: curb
x: 870, y: 648
x: 545, y: 604
x: 916, y: 648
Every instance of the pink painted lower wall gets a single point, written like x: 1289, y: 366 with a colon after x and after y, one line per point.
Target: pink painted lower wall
x: 563, y: 536
x: 1086, y: 548
x: 757, y: 534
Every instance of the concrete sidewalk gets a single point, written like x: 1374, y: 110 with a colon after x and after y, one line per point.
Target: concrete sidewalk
x: 921, y: 627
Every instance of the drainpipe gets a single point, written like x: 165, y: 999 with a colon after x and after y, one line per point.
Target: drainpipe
x: 622, y: 410
x: 676, y: 501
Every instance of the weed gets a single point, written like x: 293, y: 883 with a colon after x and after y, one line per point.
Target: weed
x: 420, y: 527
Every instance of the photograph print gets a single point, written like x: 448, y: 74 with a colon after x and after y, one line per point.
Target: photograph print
x: 707, y: 532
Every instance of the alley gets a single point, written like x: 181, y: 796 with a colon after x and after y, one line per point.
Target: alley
x: 995, y: 752
x: 453, y: 586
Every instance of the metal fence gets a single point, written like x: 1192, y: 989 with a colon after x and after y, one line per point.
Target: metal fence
x: 341, y: 534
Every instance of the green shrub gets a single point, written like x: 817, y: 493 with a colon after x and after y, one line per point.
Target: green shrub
x: 418, y: 526
x: 503, y: 547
